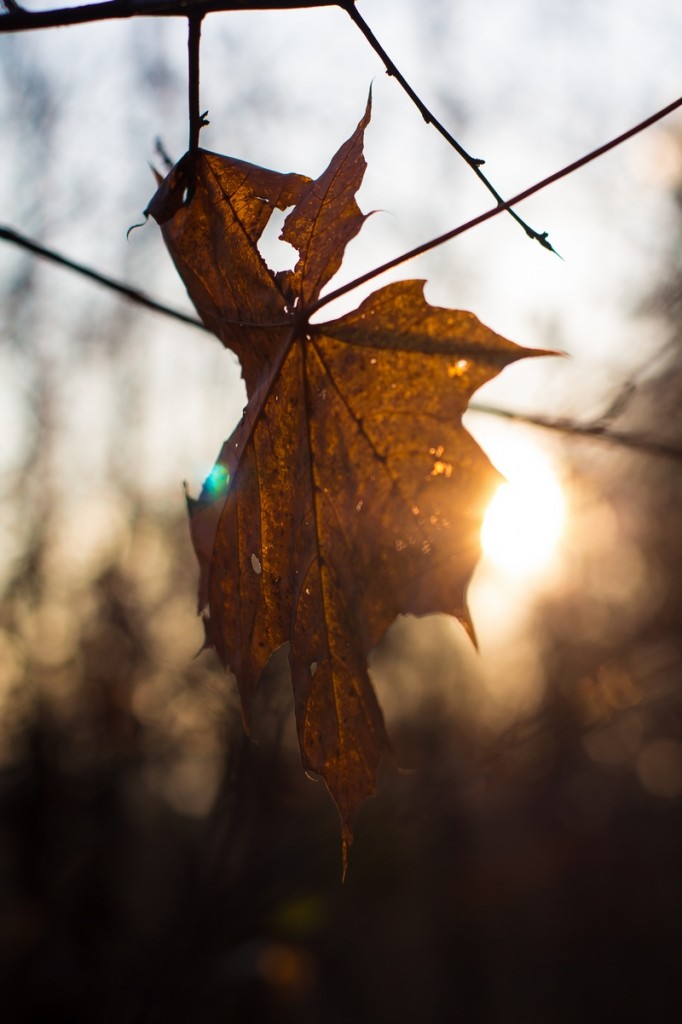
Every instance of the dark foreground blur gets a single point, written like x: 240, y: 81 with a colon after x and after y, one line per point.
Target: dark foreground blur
x: 156, y: 866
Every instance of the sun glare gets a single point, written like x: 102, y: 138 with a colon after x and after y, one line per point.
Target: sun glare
x: 525, y: 519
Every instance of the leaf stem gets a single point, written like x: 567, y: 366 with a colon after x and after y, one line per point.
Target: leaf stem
x: 425, y: 247
x: 474, y: 162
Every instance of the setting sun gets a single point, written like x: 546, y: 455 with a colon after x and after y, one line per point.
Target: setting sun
x: 525, y: 519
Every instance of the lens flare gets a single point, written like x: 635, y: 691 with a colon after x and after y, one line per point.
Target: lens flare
x: 217, y: 481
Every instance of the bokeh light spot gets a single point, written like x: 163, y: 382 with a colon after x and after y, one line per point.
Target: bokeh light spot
x: 659, y: 768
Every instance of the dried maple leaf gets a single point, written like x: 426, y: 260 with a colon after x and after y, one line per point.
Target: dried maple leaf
x: 352, y: 493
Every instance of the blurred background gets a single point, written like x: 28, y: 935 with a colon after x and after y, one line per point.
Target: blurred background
x: 154, y: 864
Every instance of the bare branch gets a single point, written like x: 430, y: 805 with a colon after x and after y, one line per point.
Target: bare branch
x: 19, y: 20
x: 593, y: 431
x: 474, y: 163
x: 494, y: 211
x: 8, y: 235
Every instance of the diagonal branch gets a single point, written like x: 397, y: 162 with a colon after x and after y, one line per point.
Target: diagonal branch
x: 595, y: 431
x: 132, y: 294
x: 425, y: 247
x: 473, y: 162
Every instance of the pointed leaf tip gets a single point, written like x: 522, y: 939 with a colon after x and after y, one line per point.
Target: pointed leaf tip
x: 326, y: 219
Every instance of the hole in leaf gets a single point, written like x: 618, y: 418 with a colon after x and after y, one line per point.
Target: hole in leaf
x: 277, y: 254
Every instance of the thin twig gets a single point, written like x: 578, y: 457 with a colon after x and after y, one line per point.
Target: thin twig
x: 19, y: 20
x: 196, y: 120
x: 474, y: 163
x: 425, y: 247
x: 593, y: 431
x: 8, y: 235
x: 193, y: 47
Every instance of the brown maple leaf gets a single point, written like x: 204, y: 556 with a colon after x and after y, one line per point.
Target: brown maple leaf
x: 352, y: 491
